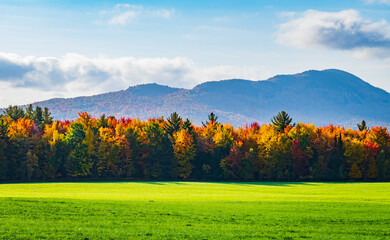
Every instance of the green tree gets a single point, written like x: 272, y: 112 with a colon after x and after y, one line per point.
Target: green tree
x: 372, y: 169
x: 29, y: 111
x: 187, y: 126
x: 386, y: 170
x: 160, y: 157
x: 78, y: 163
x: 381, y: 163
x: 56, y: 157
x: 38, y: 116
x: 281, y: 121
x: 3, y: 149
x: 14, y: 112
x: 362, y: 126
x: 336, y: 164
x: 103, y: 121
x: 212, y: 120
x: 47, y: 118
x: 75, y: 135
x: 133, y: 137
x: 355, y: 172
x: 172, y: 125
x: 31, y: 164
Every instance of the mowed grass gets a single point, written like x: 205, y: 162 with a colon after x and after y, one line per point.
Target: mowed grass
x: 195, y: 210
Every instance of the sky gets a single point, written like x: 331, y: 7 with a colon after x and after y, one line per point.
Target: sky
x: 51, y: 49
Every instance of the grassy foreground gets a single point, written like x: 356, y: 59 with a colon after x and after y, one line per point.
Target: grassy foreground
x: 180, y: 210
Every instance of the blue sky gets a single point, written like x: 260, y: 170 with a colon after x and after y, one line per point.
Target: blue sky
x: 70, y: 48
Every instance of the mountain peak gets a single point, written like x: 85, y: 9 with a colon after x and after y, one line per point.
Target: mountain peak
x: 151, y: 89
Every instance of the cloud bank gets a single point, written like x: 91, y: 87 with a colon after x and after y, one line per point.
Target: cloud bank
x: 75, y: 75
x: 344, y: 30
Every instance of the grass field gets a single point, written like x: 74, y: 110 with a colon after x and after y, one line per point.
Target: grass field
x: 192, y: 210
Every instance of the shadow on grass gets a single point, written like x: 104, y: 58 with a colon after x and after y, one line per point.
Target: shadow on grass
x: 271, y: 184
x: 157, y: 182
x: 275, y: 184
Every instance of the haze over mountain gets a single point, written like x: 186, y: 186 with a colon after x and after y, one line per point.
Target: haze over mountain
x: 319, y: 97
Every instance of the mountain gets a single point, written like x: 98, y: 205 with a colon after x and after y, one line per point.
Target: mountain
x: 319, y: 97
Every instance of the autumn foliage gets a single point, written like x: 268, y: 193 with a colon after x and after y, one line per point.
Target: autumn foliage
x: 171, y: 148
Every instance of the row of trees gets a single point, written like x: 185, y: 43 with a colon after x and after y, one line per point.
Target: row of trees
x: 34, y: 147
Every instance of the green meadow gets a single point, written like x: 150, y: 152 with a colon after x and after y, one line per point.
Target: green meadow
x: 195, y: 210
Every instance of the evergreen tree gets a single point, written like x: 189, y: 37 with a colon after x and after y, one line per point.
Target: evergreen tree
x: 78, y: 163
x: 3, y: 160
x: 362, y: 126
x: 133, y: 138
x: 381, y: 163
x: 212, y: 120
x: 103, y: 121
x: 386, y: 170
x: 38, y: 116
x: 281, y: 121
x: 14, y: 112
x: 29, y: 112
x: 160, y: 159
x: 3, y: 149
x: 47, y: 118
x: 104, y: 165
x: 172, y: 124
x: 31, y: 164
x: 372, y: 169
x: 56, y: 158
x: 336, y: 163
x: 76, y: 134
x: 187, y: 126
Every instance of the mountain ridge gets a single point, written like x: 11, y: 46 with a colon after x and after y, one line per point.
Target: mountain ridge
x: 320, y: 97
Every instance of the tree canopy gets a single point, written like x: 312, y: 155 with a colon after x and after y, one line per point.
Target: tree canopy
x: 34, y: 147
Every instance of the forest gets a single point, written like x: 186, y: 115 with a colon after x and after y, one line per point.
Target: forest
x: 34, y: 147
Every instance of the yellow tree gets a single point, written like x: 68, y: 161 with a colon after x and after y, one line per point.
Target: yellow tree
x: 86, y: 120
x: 355, y: 172
x: 273, y: 159
x: 21, y: 128
x: 106, y: 166
x: 354, y: 153
x: 184, y: 150
x: 56, y: 152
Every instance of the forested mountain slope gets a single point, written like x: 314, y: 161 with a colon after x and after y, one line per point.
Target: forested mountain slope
x: 320, y: 97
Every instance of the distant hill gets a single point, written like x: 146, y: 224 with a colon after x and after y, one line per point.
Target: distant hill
x: 320, y: 97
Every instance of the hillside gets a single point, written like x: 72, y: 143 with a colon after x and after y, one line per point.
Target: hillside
x: 320, y: 97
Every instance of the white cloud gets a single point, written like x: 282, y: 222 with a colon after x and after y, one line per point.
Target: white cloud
x: 123, y: 14
x: 125, y: 5
x: 72, y: 75
x: 164, y: 13
x: 286, y: 14
x: 123, y: 18
x: 344, y: 30
x: 378, y: 2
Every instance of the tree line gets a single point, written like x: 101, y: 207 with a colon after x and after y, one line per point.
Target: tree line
x: 34, y: 147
